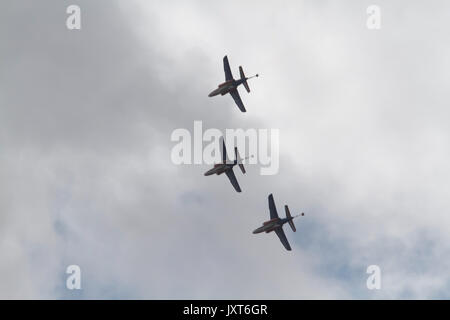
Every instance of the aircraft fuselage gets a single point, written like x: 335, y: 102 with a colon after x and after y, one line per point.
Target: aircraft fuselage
x: 271, y: 225
x: 226, y: 87
x: 219, y: 169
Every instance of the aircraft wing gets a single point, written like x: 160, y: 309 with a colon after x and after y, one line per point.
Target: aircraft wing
x: 283, y: 239
x: 226, y: 67
x: 233, y: 180
x: 272, y: 208
x: 224, y: 152
x: 237, y: 98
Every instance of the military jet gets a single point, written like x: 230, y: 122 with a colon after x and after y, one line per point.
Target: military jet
x: 230, y: 85
x: 276, y: 223
x: 227, y: 167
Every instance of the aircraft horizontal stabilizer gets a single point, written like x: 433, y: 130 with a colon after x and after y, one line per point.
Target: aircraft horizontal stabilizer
x: 288, y: 215
x: 238, y: 160
x: 245, y: 83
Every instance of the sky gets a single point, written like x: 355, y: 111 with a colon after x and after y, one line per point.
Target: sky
x: 86, y: 176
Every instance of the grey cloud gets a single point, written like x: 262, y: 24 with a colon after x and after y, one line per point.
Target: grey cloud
x: 85, y: 123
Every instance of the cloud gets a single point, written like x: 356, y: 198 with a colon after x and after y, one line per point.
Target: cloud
x: 86, y: 177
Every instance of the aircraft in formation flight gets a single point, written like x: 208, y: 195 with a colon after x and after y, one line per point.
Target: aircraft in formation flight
x: 276, y: 223
x: 227, y: 167
x: 230, y: 85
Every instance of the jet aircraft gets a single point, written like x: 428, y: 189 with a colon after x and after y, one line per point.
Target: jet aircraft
x: 227, y: 167
x: 276, y: 223
x: 230, y: 85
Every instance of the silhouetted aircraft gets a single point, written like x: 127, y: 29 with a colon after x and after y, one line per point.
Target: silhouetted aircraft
x: 276, y: 223
x: 230, y: 85
x: 227, y: 167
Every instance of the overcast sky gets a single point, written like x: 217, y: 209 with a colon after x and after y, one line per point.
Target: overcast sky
x: 86, y: 176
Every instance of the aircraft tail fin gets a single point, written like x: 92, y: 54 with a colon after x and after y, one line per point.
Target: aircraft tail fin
x: 245, y: 83
x: 288, y: 215
x: 238, y: 160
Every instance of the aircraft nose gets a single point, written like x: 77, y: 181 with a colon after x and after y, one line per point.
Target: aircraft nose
x: 257, y: 230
